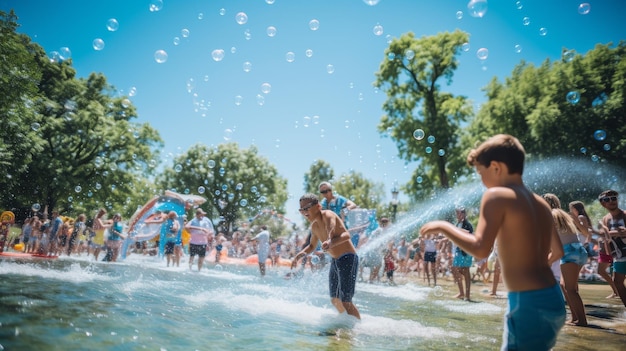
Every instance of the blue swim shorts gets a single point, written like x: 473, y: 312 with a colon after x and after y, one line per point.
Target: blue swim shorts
x: 462, y: 259
x: 342, y: 276
x: 619, y: 267
x: 574, y: 253
x: 533, y: 319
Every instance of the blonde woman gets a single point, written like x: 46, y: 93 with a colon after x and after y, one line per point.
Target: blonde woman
x: 575, y: 256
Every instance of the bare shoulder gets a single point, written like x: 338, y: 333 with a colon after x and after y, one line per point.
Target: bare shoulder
x: 498, y: 196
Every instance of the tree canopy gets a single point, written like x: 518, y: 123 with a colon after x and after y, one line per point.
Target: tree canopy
x: 70, y: 143
x: 238, y: 183
x: 421, y: 118
x: 573, y: 107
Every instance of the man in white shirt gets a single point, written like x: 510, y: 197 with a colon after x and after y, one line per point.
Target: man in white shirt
x: 263, y: 247
x: 200, y: 228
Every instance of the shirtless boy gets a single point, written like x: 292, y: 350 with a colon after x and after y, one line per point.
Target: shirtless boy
x: 328, y: 228
x: 614, y: 227
x: 527, y: 244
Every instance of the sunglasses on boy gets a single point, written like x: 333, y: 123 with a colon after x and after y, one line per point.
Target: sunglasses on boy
x: 608, y: 199
x: 306, y: 208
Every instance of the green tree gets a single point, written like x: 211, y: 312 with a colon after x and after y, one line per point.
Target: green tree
x: 320, y: 171
x: 238, y: 183
x: 362, y: 191
x: 570, y: 107
x: 573, y: 107
x: 19, y: 75
x: 411, y: 74
x: 83, y: 150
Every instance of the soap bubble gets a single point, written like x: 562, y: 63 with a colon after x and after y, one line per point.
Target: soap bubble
x: 314, y: 24
x: 271, y: 31
x: 217, y: 55
x: 584, y: 8
x: 573, y: 97
x: 98, y: 44
x: 477, y: 8
x: 241, y: 18
x: 155, y: 5
x: 418, y: 134
x: 599, y: 135
x: 482, y: 53
x: 378, y: 30
x: 160, y: 56
x: 112, y: 25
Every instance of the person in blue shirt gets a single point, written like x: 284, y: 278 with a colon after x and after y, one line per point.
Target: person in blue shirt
x: 340, y: 205
x: 171, y: 238
x: 116, y: 235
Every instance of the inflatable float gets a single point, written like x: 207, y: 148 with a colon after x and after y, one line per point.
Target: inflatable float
x: 252, y: 260
x: 26, y: 255
x: 140, y: 231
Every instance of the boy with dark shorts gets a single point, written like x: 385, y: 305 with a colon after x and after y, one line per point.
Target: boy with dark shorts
x: 527, y: 244
x: 328, y: 228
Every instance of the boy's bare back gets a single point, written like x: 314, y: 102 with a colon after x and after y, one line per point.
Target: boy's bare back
x: 523, y: 224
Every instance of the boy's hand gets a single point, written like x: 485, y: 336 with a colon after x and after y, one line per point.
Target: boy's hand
x: 326, y: 245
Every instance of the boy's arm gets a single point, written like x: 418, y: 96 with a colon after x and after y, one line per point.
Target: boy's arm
x: 305, y: 250
x: 490, y: 220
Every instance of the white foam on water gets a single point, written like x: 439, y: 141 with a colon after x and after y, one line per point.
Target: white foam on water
x: 261, y: 300
x: 402, y: 328
x: 467, y: 307
x: 408, y: 292
x: 73, y: 273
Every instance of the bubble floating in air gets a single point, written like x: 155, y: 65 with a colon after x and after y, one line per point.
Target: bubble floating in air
x: 418, y: 134
x: 98, y: 44
x: 477, y: 8
x: 584, y: 8
x: 160, y: 56
x: 314, y: 24
x: 155, y: 5
x: 482, y: 53
x: 217, y: 55
x: 378, y: 30
x: 112, y: 25
x: 241, y: 18
x: 599, y: 135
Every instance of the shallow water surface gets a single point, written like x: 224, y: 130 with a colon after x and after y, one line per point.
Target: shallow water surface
x: 76, y: 304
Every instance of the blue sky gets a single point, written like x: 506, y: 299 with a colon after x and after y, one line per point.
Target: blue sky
x: 307, y: 113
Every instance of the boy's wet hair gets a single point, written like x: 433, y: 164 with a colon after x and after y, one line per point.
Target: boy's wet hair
x: 310, y: 197
x: 500, y: 148
x: 608, y: 193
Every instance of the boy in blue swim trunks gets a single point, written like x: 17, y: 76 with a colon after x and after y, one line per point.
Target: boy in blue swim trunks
x: 527, y: 244
x: 328, y: 228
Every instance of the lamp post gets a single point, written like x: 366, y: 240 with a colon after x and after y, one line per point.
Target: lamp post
x: 394, y: 203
